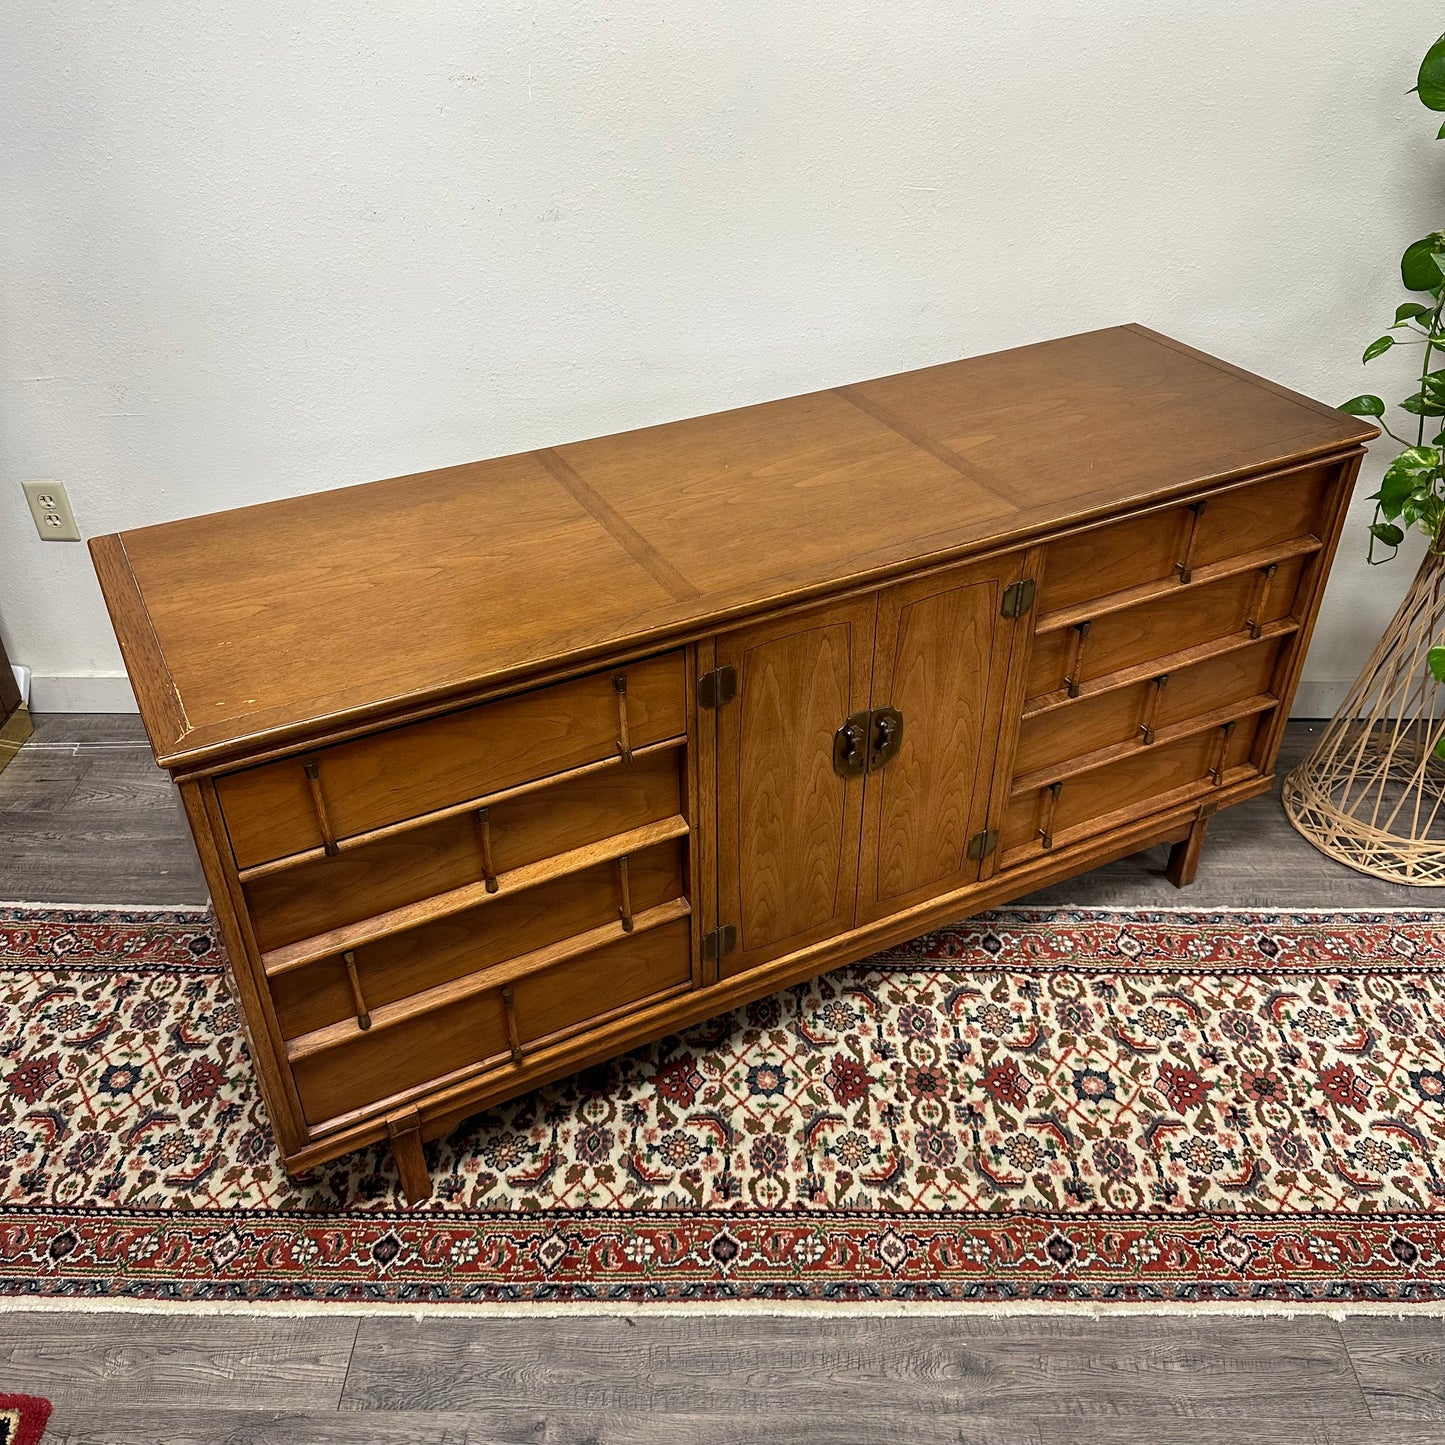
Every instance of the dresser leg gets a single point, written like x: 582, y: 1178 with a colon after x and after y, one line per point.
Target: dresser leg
x: 1184, y: 856
x: 405, y: 1131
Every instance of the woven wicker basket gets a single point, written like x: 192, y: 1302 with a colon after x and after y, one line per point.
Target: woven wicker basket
x: 1371, y: 792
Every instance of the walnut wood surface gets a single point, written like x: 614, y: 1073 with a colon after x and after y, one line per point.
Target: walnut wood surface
x: 455, y: 906
x: 245, y: 628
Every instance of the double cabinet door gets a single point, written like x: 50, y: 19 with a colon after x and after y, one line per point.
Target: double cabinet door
x: 856, y: 760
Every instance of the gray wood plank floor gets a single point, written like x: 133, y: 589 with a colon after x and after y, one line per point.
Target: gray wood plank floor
x: 85, y: 817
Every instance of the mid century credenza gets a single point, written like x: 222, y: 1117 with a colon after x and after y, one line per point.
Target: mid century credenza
x: 499, y: 770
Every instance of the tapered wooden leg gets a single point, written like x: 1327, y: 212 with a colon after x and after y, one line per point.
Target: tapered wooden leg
x: 405, y: 1131
x: 1184, y: 856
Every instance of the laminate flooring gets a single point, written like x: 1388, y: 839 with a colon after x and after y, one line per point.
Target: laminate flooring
x: 85, y: 817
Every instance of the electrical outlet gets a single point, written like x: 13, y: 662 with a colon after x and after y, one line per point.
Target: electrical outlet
x: 51, y: 509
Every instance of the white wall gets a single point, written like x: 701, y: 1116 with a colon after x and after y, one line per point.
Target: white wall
x: 253, y: 250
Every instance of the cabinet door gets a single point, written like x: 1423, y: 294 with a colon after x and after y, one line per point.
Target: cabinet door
x: 941, y: 660
x: 787, y: 821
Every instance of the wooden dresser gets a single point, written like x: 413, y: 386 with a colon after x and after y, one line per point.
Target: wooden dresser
x: 499, y: 770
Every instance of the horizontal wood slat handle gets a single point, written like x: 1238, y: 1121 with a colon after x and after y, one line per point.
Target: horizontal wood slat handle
x: 1143, y: 592
x: 457, y: 900
x: 454, y: 991
x: 453, y: 810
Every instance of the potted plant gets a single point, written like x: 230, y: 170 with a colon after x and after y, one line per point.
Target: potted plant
x: 1372, y: 791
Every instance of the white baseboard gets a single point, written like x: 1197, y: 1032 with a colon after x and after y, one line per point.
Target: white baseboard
x: 22, y: 681
x: 81, y: 692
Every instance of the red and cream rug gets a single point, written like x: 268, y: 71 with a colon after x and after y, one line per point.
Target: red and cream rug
x: 1083, y: 1106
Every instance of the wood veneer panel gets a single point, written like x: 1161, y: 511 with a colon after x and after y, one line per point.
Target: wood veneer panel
x: 253, y: 627
x: 941, y: 658
x: 788, y: 824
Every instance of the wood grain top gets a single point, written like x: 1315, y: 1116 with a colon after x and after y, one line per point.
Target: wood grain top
x: 251, y: 628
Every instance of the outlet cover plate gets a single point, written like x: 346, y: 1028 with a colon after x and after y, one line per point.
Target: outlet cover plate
x: 50, y: 507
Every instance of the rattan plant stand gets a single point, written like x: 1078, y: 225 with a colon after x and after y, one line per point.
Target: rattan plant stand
x: 1371, y: 792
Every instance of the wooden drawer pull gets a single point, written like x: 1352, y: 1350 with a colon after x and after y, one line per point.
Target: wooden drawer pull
x: 318, y: 801
x: 1072, y: 681
x: 1185, y: 565
x: 514, y: 1037
x: 624, y: 733
x: 484, y: 829
x: 626, y: 885
x: 1046, y: 822
x: 1216, y: 773
x: 1259, y: 601
x: 1151, y: 708
x: 363, y: 1014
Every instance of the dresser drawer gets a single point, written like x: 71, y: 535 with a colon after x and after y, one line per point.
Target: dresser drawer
x: 381, y: 1068
x: 375, y: 879
x: 276, y: 810
x: 1160, y: 704
x: 1148, y: 780
x: 1158, y: 630
x: 405, y: 964
x: 1160, y: 546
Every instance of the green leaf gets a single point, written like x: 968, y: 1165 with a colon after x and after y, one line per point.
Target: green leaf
x: 1363, y: 406
x: 1436, y: 658
x: 1409, y: 311
x: 1431, y: 82
x: 1417, y: 268
x: 1389, y: 534
x: 1402, y: 477
x: 1413, y: 461
x: 1421, y: 405
x: 1440, y: 135
x: 1379, y: 347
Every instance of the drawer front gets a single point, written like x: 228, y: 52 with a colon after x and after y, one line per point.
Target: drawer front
x: 1160, y: 629
x: 404, y: 964
x: 1155, y: 547
x: 316, y: 896
x: 473, y: 1036
x: 1159, y: 705
x: 272, y: 811
x: 1050, y: 817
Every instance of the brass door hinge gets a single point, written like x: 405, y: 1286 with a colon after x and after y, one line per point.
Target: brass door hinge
x: 1018, y: 597
x: 982, y: 844
x: 717, y: 687
x: 719, y: 941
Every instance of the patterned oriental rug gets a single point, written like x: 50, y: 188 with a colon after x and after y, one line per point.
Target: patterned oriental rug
x: 1072, y: 1106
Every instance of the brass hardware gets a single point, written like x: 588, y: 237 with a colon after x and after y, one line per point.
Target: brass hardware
x: 363, y: 1017
x: 1259, y: 600
x: 850, y: 746
x: 1185, y: 565
x: 1072, y: 681
x: 1018, y: 597
x: 1151, y: 707
x: 1216, y: 773
x: 624, y: 733
x: 626, y: 884
x: 982, y: 844
x: 719, y: 941
x: 318, y: 802
x: 514, y: 1037
x: 484, y: 828
x: 885, y: 736
x: 1051, y: 804
x: 717, y: 687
